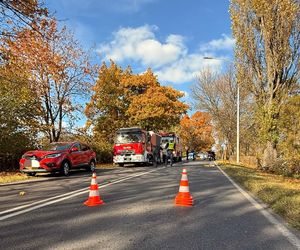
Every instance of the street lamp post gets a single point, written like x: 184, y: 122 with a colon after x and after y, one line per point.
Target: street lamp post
x: 237, y: 114
x: 238, y: 125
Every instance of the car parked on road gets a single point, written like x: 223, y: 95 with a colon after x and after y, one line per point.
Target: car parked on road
x: 58, y: 157
x: 202, y: 155
x: 192, y: 156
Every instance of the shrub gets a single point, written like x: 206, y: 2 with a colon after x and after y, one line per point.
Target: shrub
x: 103, y: 151
x: 286, y: 167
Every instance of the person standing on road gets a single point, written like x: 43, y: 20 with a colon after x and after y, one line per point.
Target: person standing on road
x: 170, y: 146
x: 193, y: 154
x: 187, y: 153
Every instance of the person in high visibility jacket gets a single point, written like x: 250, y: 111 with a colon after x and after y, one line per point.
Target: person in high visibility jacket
x: 170, y: 146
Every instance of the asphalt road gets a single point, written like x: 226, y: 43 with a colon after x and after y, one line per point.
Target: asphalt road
x: 138, y: 213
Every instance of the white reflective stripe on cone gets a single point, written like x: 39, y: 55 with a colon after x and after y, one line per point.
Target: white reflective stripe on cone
x: 184, y: 189
x: 184, y: 177
x: 93, y: 182
x: 94, y: 193
x: 184, y: 171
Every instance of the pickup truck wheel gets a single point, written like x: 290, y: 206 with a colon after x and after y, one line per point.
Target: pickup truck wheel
x: 65, y: 168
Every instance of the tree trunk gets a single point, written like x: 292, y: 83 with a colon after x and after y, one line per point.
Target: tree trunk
x: 270, y: 154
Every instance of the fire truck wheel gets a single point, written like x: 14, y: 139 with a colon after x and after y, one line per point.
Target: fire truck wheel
x: 121, y: 165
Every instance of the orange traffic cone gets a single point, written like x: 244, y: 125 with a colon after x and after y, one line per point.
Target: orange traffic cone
x: 184, y: 197
x: 94, y: 197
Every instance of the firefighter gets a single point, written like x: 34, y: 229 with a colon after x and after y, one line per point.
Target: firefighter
x: 170, y: 146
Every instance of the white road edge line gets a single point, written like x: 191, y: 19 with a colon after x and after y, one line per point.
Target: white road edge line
x: 72, y: 194
x: 293, y: 239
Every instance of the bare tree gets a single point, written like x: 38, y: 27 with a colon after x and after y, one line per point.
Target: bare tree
x: 217, y: 94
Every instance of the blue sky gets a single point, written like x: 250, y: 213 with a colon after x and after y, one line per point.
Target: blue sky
x: 169, y: 36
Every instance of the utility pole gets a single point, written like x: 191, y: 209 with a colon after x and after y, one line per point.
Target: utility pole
x: 238, y: 125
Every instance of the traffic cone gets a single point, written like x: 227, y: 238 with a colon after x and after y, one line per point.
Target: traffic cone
x: 94, y: 197
x: 184, y: 197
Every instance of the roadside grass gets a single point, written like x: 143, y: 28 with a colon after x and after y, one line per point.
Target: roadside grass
x: 7, y: 177
x: 105, y: 165
x: 280, y: 193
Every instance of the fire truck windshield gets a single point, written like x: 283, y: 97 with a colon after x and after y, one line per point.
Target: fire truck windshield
x: 128, y: 138
x: 166, y: 139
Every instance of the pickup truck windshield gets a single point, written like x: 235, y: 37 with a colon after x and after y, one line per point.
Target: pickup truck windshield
x: 128, y: 138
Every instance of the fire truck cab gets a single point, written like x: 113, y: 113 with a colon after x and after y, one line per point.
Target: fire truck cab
x: 136, y: 146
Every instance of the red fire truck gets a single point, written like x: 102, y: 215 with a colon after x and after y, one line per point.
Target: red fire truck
x: 167, y: 138
x: 138, y: 146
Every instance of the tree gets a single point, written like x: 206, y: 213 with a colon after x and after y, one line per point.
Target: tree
x: 158, y: 108
x: 122, y: 98
x: 17, y: 117
x: 17, y: 14
x: 267, y: 54
x: 289, y: 143
x: 58, y: 71
x: 106, y: 110
x: 196, y: 131
x: 216, y: 94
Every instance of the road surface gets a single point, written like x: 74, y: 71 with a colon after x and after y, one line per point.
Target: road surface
x: 139, y: 213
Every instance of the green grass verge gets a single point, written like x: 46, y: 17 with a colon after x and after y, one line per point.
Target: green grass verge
x: 281, y: 194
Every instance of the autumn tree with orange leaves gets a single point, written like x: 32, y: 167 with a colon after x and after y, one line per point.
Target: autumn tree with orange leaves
x: 196, y: 131
x: 157, y: 108
x: 19, y: 14
x: 122, y: 98
x: 58, y: 72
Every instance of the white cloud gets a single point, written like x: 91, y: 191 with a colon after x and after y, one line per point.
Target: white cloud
x: 224, y: 43
x: 186, y: 69
x: 140, y: 44
x: 186, y: 94
x: 169, y: 59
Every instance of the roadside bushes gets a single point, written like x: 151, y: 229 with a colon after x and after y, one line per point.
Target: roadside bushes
x: 287, y: 167
x: 8, y: 162
x: 103, y: 151
x: 12, y: 146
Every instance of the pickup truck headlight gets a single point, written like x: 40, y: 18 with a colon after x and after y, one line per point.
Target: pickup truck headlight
x: 52, y: 155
